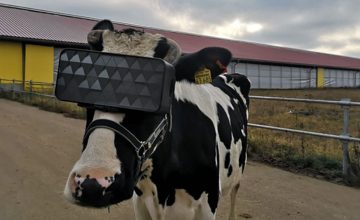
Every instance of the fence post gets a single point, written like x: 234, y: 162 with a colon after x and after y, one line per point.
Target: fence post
x: 30, y: 89
x: 13, y: 89
x: 345, y: 144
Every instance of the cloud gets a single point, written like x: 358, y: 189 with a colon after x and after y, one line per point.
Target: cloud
x: 233, y: 29
x: 322, y: 25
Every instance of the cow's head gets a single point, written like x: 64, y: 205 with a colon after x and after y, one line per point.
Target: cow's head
x: 210, y: 60
x: 107, y: 170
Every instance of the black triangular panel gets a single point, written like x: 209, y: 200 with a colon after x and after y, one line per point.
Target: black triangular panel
x: 140, y: 79
x: 68, y: 78
x: 84, y: 84
x: 61, y: 81
x: 131, y: 99
x: 137, y: 103
x: 71, y: 53
x: 75, y: 58
x: 122, y: 88
x: 128, y: 77
x: 111, y: 63
x: 96, y: 86
x: 106, y: 59
x: 136, y: 65
x: 63, y: 65
x: 91, y: 77
x: 116, y: 76
x: 98, y: 69
x: 92, y: 73
x: 150, y: 105
x: 75, y: 65
x: 159, y: 68
x: 87, y: 67
x: 156, y: 78
x: 123, y: 72
x: 104, y: 74
x: 121, y: 62
x: 145, y: 91
x: 148, y: 67
x: 124, y: 102
x: 113, y: 80
x: 115, y: 83
x: 87, y: 60
x: 82, y: 55
x: 78, y: 79
x: 68, y: 70
x: 108, y: 92
x: 80, y: 71
x: 130, y: 61
x: 94, y: 57
x: 103, y: 82
x: 100, y: 62
x: 111, y: 70
x: 64, y: 57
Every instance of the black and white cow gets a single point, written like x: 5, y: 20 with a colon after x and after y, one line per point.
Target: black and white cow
x: 202, y: 155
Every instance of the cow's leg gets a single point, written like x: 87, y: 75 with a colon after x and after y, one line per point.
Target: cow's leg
x: 146, y: 203
x: 147, y: 208
x: 182, y: 207
x: 141, y: 212
x: 233, y: 193
x: 204, y: 212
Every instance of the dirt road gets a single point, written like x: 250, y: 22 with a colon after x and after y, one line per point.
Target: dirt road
x: 38, y: 148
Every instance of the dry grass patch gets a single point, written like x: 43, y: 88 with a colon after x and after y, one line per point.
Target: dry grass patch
x: 318, y: 155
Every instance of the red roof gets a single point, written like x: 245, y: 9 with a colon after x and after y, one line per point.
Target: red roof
x: 26, y: 24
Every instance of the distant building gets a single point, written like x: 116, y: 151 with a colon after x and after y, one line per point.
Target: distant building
x: 31, y: 40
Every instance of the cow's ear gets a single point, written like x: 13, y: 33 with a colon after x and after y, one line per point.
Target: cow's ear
x: 215, y: 57
x: 204, y: 65
x: 168, y: 50
x: 104, y: 25
x: 95, y: 35
x: 241, y: 81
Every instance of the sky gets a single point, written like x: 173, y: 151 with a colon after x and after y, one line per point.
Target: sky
x: 329, y: 26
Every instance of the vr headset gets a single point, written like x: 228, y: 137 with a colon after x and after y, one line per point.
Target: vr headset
x: 115, y: 82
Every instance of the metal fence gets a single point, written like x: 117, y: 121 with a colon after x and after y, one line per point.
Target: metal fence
x: 344, y: 137
x: 29, y: 87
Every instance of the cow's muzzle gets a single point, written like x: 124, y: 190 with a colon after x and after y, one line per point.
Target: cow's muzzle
x: 92, y: 189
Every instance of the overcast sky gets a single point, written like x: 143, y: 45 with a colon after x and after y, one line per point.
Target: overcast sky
x: 330, y: 26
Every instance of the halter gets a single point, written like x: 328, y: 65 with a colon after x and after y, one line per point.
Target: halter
x: 143, y: 149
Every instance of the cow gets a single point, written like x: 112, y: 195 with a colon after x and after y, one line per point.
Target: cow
x: 201, y: 154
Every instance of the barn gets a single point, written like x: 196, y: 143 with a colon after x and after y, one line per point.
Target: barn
x: 31, y: 40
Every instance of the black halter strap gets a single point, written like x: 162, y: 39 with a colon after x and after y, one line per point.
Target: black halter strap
x: 143, y: 149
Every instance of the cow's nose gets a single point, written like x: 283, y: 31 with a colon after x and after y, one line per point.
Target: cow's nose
x: 92, y: 190
x: 104, y: 182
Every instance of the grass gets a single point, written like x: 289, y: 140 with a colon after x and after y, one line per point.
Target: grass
x: 311, y: 155
x: 48, y: 104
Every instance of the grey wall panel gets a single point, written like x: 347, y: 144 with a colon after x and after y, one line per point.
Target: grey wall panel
x: 357, y: 80
x: 276, y: 83
x: 287, y: 77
